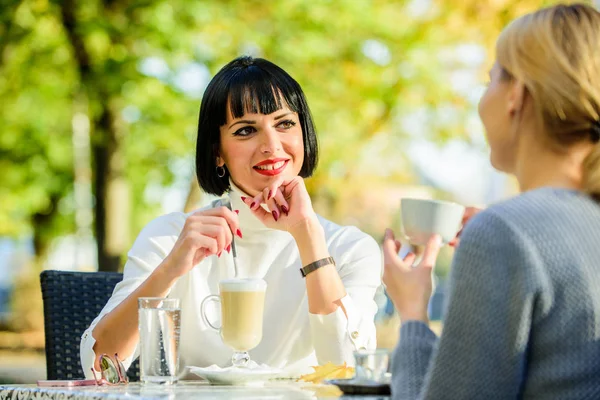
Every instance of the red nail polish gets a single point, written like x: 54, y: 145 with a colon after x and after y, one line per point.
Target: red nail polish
x: 228, y: 249
x: 239, y: 233
x: 269, y: 195
x: 252, y: 205
x: 219, y: 255
x: 285, y: 210
x: 244, y: 198
x: 275, y: 215
x: 236, y: 211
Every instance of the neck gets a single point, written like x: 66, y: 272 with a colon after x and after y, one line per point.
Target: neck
x: 540, y: 167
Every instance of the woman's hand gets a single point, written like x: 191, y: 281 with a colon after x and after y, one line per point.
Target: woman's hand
x: 409, y: 286
x: 469, y: 213
x: 205, y: 233
x: 288, y: 202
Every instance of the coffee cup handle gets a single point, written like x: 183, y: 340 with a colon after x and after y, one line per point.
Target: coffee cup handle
x: 404, y: 250
x: 408, y: 248
x: 212, y: 297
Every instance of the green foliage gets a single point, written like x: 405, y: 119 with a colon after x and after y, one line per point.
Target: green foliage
x: 323, y: 44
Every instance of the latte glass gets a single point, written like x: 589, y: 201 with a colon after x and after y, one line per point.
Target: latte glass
x: 242, y: 305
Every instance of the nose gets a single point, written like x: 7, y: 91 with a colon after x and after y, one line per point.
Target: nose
x: 271, y: 142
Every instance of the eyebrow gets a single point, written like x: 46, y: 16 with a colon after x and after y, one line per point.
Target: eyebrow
x: 252, y: 122
x: 243, y: 121
x: 282, y: 115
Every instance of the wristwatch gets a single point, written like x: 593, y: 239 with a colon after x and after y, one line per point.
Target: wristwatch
x: 313, y: 266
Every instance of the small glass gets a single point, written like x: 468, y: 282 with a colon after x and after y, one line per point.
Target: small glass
x: 159, y: 326
x: 372, y: 365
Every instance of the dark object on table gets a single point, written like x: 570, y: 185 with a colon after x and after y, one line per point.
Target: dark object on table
x: 71, y: 302
x: 363, y: 388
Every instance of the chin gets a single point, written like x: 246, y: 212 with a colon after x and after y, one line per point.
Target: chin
x: 499, y: 164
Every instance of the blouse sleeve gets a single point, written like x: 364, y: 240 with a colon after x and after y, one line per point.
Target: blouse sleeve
x: 351, y: 327
x: 149, y: 249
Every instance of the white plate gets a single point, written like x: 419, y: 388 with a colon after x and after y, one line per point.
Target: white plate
x: 254, y: 374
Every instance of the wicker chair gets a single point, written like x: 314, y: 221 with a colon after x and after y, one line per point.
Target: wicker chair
x: 71, y: 302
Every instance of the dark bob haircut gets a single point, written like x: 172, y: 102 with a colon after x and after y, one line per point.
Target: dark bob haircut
x: 252, y: 85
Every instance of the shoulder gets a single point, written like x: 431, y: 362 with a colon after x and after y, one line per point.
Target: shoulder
x: 165, y: 225
x: 534, y: 207
x: 532, y: 212
x: 502, y: 239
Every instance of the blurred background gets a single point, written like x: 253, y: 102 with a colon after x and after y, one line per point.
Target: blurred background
x: 99, y: 103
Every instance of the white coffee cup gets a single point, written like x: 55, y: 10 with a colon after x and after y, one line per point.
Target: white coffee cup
x: 422, y: 218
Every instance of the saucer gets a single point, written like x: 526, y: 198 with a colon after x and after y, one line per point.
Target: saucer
x: 355, y: 386
x: 252, y: 375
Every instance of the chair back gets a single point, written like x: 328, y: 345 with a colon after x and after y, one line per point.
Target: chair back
x: 71, y: 302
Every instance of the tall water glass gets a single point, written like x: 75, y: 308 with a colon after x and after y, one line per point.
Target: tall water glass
x: 159, y: 325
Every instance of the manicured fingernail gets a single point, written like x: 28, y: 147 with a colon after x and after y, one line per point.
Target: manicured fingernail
x: 219, y: 255
x: 236, y: 211
x: 244, y: 199
x: 252, y: 205
x: 239, y: 233
x: 285, y: 210
x: 275, y: 215
x: 228, y: 249
x: 269, y: 195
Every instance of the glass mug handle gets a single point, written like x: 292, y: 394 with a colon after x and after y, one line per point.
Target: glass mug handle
x: 239, y: 358
x: 212, y: 297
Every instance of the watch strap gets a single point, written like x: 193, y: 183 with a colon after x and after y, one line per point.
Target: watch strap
x: 313, y: 266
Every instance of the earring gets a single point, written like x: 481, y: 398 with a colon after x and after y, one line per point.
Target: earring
x: 221, y: 171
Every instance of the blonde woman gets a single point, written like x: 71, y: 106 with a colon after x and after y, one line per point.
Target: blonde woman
x: 523, y: 313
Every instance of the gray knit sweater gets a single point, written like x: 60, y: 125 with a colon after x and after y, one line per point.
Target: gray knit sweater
x: 523, y: 309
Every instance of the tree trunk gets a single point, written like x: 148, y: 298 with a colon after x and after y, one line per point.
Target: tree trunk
x: 42, y: 231
x: 111, y: 189
x: 111, y: 192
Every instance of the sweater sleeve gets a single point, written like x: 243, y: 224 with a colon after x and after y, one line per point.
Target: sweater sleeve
x: 482, y: 350
x: 337, y: 335
x: 150, y: 248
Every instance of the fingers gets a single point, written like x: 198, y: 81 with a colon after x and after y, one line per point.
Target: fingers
x: 220, y: 226
x: 390, y: 248
x: 269, y: 196
x: 231, y: 217
x: 398, y: 244
x: 432, y: 249
x: 469, y: 213
x: 281, y: 202
x: 273, y: 196
x: 256, y: 209
x: 216, y: 229
x: 196, y: 240
x: 287, y: 186
x: 410, y: 259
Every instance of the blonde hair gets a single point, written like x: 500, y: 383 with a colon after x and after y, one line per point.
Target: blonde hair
x: 555, y: 52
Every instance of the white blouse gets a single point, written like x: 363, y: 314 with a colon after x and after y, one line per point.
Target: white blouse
x: 293, y: 338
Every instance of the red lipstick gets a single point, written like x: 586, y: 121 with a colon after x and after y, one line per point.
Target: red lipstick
x: 271, y: 167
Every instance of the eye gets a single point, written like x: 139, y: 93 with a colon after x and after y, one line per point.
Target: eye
x: 287, y: 124
x: 245, y: 131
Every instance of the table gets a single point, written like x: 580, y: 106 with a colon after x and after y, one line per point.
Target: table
x: 184, y: 390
